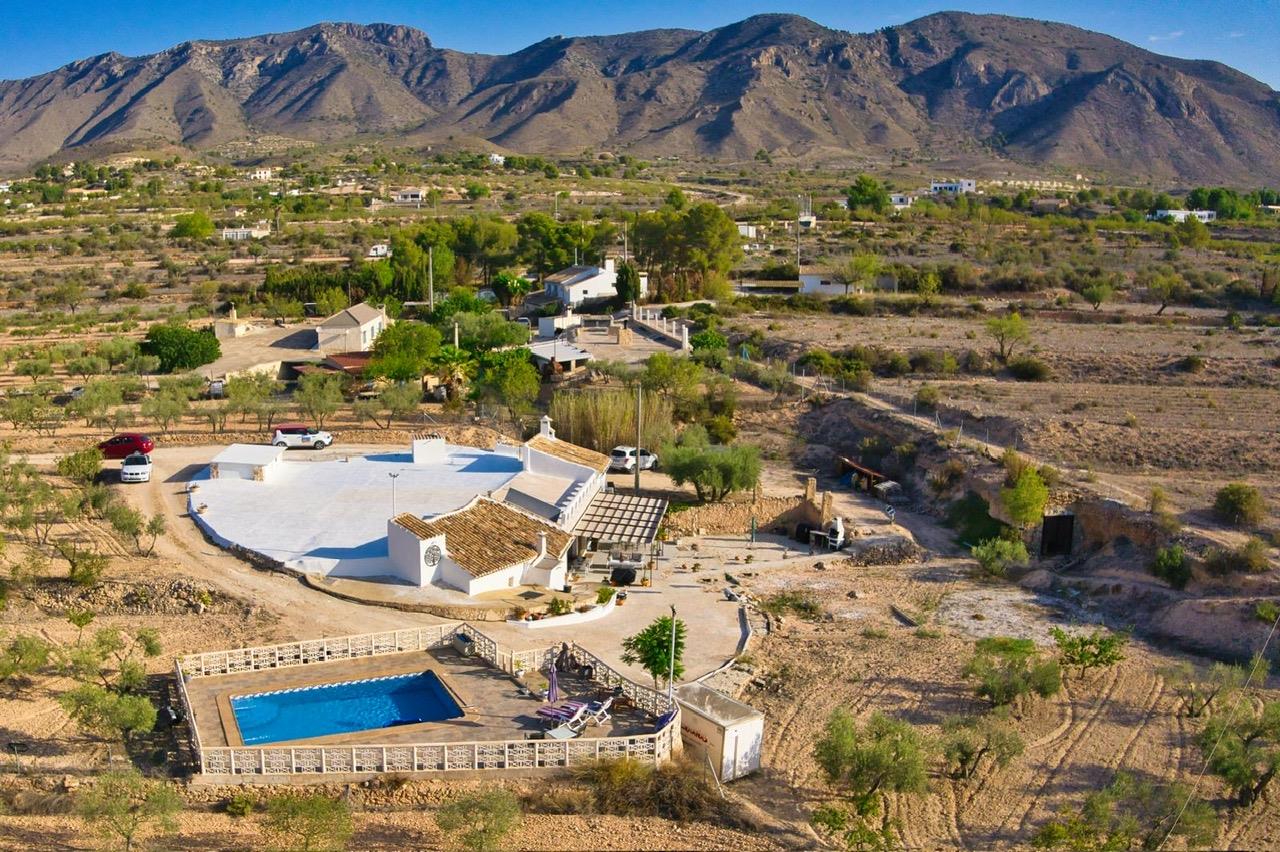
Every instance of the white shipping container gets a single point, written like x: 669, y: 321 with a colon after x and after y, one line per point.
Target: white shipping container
x: 719, y: 730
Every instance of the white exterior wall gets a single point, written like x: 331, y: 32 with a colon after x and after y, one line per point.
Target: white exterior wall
x: 552, y: 578
x: 234, y: 470
x: 734, y: 750
x: 405, y: 551
x: 820, y: 285
x: 592, y: 481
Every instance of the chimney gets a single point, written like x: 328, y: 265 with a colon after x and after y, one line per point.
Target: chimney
x: 542, y: 545
x: 608, y: 265
x: 232, y: 313
x: 544, y: 427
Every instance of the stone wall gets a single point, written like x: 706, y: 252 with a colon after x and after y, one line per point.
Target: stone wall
x: 772, y: 515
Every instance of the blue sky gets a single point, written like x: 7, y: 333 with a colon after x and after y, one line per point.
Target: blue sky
x: 39, y: 36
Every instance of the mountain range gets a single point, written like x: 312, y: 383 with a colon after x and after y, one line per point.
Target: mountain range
x: 945, y: 85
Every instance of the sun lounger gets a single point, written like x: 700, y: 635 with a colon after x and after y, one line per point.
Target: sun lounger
x: 597, y: 712
x: 569, y: 711
x: 564, y: 732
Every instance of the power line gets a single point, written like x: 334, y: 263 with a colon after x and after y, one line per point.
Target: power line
x: 1258, y: 662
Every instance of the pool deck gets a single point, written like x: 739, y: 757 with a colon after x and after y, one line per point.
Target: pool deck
x: 494, y: 707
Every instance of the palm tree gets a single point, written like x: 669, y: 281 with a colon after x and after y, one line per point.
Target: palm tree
x: 454, y: 368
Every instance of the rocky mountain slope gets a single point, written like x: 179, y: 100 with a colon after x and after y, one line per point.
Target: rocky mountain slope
x: 944, y: 84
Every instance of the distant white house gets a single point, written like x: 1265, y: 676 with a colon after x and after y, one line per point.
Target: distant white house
x: 380, y: 250
x: 900, y: 200
x: 262, y: 174
x: 748, y: 231
x: 351, y: 330
x: 819, y: 281
x: 497, y: 160
x: 577, y: 284
x: 808, y: 221
x: 5, y: 186
x: 1183, y: 215
x: 409, y: 195
x: 245, y: 232
x: 962, y: 186
x: 824, y: 281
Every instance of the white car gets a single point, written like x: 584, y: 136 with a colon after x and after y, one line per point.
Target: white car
x: 297, y: 435
x: 136, y: 467
x: 623, y: 459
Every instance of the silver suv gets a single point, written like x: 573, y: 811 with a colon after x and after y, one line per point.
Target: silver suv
x: 298, y: 435
x: 624, y: 459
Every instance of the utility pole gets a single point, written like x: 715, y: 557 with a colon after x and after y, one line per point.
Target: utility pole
x: 671, y: 661
x: 431, y: 277
x: 455, y: 335
x: 639, y: 391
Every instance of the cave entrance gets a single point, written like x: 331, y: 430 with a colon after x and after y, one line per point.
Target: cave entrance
x: 1056, y: 534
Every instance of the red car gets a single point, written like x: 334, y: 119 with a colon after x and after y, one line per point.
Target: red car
x: 126, y: 444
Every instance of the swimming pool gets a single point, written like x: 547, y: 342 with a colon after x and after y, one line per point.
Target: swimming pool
x: 342, y: 708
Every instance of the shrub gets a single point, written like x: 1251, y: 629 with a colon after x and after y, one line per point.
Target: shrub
x: 679, y: 789
x: 604, y: 594
x: 1191, y: 364
x: 1026, y: 368
x: 1172, y: 566
x: 559, y: 606
x: 1248, y: 558
x: 1240, y: 504
x: 1267, y: 611
x: 241, y: 804
x: 996, y: 555
x: 1008, y: 669
x: 82, y: 466
x: 720, y: 429
x: 300, y: 820
x: 801, y: 602
x: 928, y: 396
x: 480, y: 820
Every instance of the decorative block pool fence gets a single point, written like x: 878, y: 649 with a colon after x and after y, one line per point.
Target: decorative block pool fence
x: 655, y: 747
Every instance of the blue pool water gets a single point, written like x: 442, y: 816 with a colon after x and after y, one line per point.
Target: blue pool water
x: 341, y: 708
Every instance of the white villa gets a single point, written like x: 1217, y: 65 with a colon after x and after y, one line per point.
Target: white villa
x: 577, y: 284
x: 437, y: 521
x: 351, y: 330
x: 900, y: 200
x: 245, y: 232
x: 962, y: 186
x: 486, y: 546
x: 409, y: 195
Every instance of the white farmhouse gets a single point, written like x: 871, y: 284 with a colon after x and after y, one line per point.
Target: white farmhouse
x: 262, y: 174
x: 578, y: 284
x: 380, y: 250
x: 410, y: 195
x: 750, y: 232
x: 900, y: 200
x: 962, y: 186
x: 245, y: 232
x: 497, y: 160
x: 351, y: 330
x: 485, y: 546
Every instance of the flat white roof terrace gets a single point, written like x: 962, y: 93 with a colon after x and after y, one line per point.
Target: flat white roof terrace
x: 325, y: 515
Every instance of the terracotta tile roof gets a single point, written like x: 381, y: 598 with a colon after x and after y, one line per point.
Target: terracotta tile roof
x: 570, y: 452
x: 487, y: 536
